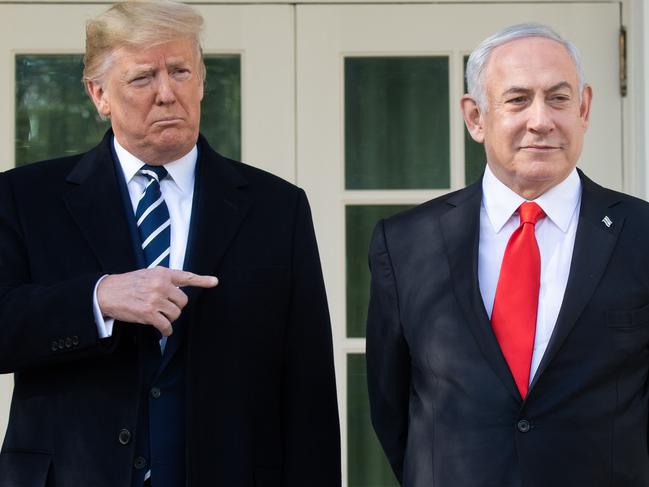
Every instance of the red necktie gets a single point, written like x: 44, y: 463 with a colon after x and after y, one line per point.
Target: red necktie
x: 517, y: 296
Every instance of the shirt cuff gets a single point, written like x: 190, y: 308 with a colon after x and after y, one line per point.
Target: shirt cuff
x: 104, y: 325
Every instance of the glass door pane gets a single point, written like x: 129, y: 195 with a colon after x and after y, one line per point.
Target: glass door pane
x: 359, y: 224
x: 54, y: 115
x: 397, y: 122
x: 368, y: 466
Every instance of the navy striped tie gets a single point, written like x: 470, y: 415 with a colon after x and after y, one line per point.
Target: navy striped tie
x: 152, y: 217
x: 154, y: 225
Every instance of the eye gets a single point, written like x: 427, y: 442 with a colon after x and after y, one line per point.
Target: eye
x: 181, y: 73
x: 140, y: 80
x: 517, y: 100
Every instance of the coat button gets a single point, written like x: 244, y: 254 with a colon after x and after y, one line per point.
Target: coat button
x: 75, y: 340
x: 139, y: 463
x: 523, y: 426
x: 124, y: 436
x: 156, y: 392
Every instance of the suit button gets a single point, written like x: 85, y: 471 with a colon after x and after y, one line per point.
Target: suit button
x: 139, y: 463
x: 156, y: 392
x: 75, y: 340
x: 55, y: 346
x: 68, y: 342
x: 124, y: 436
x: 523, y: 426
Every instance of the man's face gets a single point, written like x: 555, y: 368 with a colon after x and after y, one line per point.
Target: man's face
x: 534, y: 126
x: 153, y: 97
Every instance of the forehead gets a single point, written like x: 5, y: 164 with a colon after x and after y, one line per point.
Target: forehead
x: 530, y: 62
x: 170, y: 52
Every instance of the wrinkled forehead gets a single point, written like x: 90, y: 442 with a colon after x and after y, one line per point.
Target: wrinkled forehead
x: 170, y: 53
x: 531, y: 62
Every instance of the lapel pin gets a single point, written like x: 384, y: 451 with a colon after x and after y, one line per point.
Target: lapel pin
x: 607, y: 221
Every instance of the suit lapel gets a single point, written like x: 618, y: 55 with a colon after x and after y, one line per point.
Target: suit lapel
x: 460, y: 227
x: 594, y: 244
x: 95, y: 204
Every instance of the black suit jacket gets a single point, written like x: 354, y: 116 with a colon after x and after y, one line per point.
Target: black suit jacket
x: 444, y: 404
x: 261, y: 399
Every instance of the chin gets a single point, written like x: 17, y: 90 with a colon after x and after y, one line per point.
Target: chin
x: 176, y: 138
x: 544, y: 169
x: 546, y: 178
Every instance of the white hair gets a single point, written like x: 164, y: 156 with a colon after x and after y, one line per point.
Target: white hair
x: 479, y: 58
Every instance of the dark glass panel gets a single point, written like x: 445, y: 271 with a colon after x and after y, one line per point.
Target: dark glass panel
x: 397, y: 123
x: 368, y: 466
x: 359, y: 223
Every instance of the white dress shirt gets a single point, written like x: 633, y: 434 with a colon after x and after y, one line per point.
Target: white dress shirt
x: 178, y: 192
x: 555, y: 235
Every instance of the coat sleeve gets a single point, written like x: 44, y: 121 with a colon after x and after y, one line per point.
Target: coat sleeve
x: 39, y: 324
x: 310, y: 411
x: 388, y: 359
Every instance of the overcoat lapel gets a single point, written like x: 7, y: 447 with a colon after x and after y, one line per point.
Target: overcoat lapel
x: 220, y: 207
x: 95, y: 204
x: 460, y: 227
x: 594, y: 244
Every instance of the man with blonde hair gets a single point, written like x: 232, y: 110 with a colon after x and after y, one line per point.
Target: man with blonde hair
x: 134, y: 365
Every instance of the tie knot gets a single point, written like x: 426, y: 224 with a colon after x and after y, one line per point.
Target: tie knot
x: 530, y: 212
x: 154, y: 172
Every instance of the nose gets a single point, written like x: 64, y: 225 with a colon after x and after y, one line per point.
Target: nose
x: 540, y: 117
x: 165, y: 94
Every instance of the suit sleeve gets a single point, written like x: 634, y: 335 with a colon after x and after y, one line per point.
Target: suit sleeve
x: 39, y: 323
x: 388, y: 359
x: 310, y: 410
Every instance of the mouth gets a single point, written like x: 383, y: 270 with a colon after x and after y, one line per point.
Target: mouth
x: 168, y: 121
x: 540, y: 148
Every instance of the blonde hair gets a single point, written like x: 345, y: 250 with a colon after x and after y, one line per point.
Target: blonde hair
x: 138, y: 24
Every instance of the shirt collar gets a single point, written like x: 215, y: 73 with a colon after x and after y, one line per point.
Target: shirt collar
x: 181, y: 171
x: 558, y: 203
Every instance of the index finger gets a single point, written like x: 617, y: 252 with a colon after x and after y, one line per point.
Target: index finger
x: 184, y: 278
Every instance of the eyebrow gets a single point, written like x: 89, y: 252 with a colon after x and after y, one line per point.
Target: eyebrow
x: 148, y: 70
x: 141, y: 70
x: 175, y: 63
x: 519, y: 89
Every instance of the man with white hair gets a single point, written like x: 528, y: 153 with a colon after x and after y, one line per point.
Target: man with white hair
x: 508, y: 329
x: 132, y: 366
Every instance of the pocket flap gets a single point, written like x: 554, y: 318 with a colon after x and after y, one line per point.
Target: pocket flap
x: 628, y: 318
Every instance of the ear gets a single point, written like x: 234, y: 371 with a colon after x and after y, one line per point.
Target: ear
x: 99, y: 97
x: 584, y: 107
x: 472, y: 118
